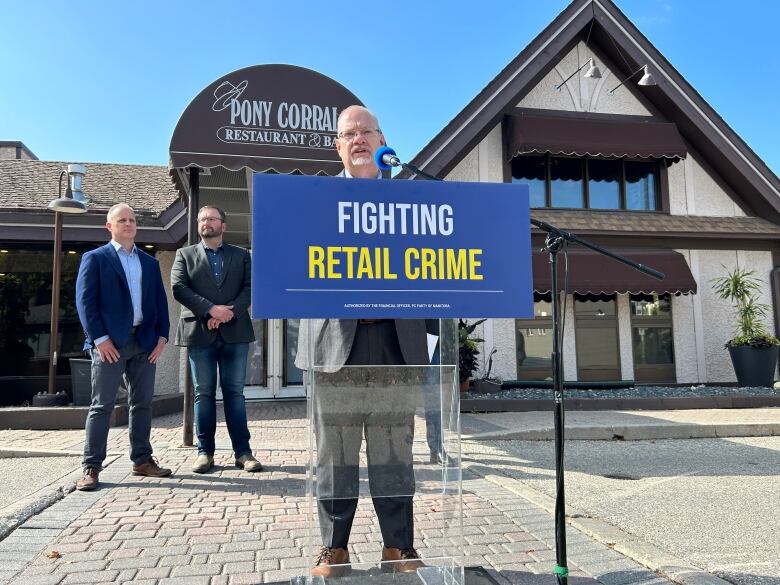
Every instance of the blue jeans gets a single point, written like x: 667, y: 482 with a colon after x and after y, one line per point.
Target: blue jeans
x: 230, y: 359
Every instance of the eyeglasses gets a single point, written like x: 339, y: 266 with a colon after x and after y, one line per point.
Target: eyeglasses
x: 209, y: 219
x: 350, y: 135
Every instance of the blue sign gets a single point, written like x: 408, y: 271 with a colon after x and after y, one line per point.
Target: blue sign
x: 330, y: 247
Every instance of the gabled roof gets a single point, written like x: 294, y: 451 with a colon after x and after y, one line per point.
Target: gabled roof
x: 589, y: 221
x: 615, y: 36
x: 32, y: 184
x: 28, y: 186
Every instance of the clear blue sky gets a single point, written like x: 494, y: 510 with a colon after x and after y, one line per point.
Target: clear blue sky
x: 107, y: 81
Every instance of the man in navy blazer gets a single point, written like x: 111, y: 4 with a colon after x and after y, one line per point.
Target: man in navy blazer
x: 124, y: 312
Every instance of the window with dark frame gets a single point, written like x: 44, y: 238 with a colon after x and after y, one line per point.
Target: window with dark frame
x: 652, y: 338
x: 588, y: 183
x: 533, y: 341
x: 293, y: 376
x: 25, y: 312
x: 597, y: 337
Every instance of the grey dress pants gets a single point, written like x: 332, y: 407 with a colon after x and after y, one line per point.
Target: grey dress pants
x: 138, y: 373
x: 376, y: 404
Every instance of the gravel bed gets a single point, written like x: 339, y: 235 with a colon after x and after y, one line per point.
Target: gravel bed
x: 632, y: 392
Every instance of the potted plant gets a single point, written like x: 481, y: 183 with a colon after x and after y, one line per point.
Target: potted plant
x: 753, y: 349
x: 467, y: 352
x: 487, y: 383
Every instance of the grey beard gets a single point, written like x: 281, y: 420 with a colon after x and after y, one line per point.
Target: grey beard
x: 363, y: 160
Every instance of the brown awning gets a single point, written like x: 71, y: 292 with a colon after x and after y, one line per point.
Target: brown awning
x: 593, y: 137
x: 590, y: 272
x: 279, y: 118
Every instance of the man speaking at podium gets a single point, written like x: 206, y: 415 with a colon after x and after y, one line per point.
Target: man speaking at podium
x: 353, y: 402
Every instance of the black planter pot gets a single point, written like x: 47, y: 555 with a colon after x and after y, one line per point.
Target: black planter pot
x: 754, y: 366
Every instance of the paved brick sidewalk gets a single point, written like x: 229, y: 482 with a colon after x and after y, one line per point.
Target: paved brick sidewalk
x: 230, y: 527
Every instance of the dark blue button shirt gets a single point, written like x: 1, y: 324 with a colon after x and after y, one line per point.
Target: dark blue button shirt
x: 216, y: 260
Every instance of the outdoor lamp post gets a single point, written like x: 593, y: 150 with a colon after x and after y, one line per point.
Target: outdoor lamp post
x: 74, y: 201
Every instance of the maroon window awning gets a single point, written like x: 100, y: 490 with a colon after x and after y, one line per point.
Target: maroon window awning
x: 593, y: 137
x: 593, y: 273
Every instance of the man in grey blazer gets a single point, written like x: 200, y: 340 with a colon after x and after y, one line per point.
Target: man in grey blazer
x: 212, y: 280
x: 377, y: 402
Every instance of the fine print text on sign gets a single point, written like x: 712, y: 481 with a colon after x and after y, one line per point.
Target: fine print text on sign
x: 354, y: 248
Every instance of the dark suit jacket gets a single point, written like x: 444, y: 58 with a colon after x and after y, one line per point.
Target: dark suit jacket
x: 194, y: 286
x: 104, y: 303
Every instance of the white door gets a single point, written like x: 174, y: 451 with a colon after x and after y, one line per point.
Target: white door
x: 271, y: 371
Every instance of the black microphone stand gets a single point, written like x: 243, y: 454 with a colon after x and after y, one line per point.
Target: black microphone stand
x: 416, y: 171
x: 554, y: 242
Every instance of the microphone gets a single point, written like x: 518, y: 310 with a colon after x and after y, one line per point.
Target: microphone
x: 385, y: 158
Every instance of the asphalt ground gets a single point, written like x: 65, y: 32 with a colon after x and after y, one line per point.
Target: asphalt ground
x: 714, y: 503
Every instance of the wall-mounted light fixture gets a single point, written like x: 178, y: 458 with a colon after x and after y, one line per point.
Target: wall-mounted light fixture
x: 646, y: 79
x: 593, y: 71
x: 74, y: 201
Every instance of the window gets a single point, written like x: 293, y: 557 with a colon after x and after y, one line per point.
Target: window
x: 652, y: 339
x: 292, y: 375
x: 640, y: 186
x: 25, y: 312
x: 532, y: 170
x: 588, y: 183
x: 533, y: 339
x: 566, y: 181
x: 598, y: 356
x: 604, y: 183
x: 257, y: 363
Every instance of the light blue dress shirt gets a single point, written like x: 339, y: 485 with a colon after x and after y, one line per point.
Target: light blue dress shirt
x: 131, y: 264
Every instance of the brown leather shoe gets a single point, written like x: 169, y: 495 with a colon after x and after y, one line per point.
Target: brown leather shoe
x: 331, y: 563
x: 90, y: 480
x: 400, y: 560
x: 151, y: 469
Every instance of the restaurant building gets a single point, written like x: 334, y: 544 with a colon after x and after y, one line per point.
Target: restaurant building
x: 629, y: 157
x: 633, y: 160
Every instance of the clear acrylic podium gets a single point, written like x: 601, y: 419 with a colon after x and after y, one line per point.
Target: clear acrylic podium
x: 384, y: 456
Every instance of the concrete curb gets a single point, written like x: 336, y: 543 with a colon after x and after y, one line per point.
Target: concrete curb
x: 636, y: 432
x: 649, y: 403
x: 652, y: 557
x: 15, y: 515
x: 32, y: 505
x: 22, y: 453
x: 74, y: 417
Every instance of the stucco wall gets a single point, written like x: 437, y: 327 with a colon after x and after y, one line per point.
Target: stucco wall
x: 467, y: 169
x: 686, y: 356
x: 583, y: 94
x: 167, y: 378
x: 694, y: 191
x: 489, y: 156
x: 569, y: 343
x: 625, y: 347
x: 503, y: 339
x: 715, y: 326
